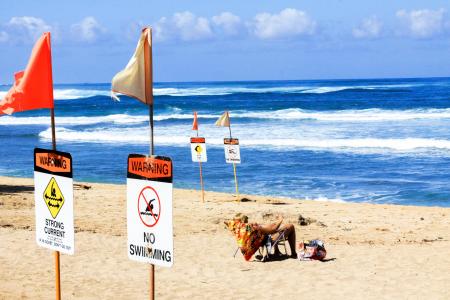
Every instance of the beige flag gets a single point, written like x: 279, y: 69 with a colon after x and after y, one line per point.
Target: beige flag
x: 224, y: 120
x: 131, y: 81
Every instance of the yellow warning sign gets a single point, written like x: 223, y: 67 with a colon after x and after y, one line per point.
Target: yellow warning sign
x: 53, y: 197
x: 198, y: 149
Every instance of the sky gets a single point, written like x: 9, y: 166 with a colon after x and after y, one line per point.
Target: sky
x: 232, y: 40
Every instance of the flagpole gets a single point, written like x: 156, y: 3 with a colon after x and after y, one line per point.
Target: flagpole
x: 56, y: 253
x: 52, y: 118
x: 201, y: 178
x: 149, y: 100
x: 229, y: 123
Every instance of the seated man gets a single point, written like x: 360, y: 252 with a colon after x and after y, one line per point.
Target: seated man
x: 273, y: 231
x: 250, y: 236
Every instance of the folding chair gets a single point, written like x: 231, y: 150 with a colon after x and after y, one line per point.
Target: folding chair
x: 268, y: 245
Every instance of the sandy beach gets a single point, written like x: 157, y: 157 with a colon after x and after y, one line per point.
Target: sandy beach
x: 377, y: 251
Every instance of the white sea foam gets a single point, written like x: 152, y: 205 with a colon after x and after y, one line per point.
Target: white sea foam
x: 73, y: 93
x: 364, y: 115
x: 113, y: 119
x: 175, y: 137
x: 349, y: 115
x: 333, y: 89
x: 325, y: 199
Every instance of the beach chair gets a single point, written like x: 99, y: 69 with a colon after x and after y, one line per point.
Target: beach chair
x: 267, y: 247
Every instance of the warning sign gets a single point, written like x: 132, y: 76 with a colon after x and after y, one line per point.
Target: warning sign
x: 232, y: 153
x: 198, y: 149
x: 149, y: 209
x: 53, y: 197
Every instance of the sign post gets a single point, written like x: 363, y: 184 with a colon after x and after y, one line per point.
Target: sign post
x: 233, y: 156
x: 136, y: 81
x: 149, y: 210
x: 53, y: 197
x: 198, y: 153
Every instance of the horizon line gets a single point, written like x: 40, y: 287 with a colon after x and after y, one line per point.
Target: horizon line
x: 261, y: 80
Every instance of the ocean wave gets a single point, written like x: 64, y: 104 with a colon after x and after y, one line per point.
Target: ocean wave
x: 113, y: 119
x: 73, y: 93
x: 325, y: 199
x: 373, y: 114
x: 139, y: 136
x: 220, y: 91
x: 334, y: 89
x: 364, y: 115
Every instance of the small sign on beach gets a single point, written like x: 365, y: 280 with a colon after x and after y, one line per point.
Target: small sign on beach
x: 198, y: 149
x: 232, y: 153
x: 53, y: 196
x: 149, y: 209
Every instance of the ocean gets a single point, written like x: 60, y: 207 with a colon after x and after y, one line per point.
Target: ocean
x: 375, y: 140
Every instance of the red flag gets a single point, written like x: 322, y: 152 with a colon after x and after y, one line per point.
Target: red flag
x: 33, y: 88
x: 195, y: 124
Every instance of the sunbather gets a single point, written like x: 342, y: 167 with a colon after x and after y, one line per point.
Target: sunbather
x: 251, y: 235
x: 274, y: 230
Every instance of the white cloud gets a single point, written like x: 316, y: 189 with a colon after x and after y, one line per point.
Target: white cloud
x: 230, y: 24
x: 423, y: 23
x: 87, y: 30
x: 25, y: 29
x: 369, y: 28
x: 184, y: 26
x: 4, y: 36
x: 288, y: 23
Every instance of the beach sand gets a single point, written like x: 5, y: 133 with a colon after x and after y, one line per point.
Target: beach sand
x: 378, y: 251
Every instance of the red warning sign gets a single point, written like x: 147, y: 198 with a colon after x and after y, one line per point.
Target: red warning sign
x: 149, y: 206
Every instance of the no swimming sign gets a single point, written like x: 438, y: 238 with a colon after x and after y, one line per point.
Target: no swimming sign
x: 53, y: 196
x: 149, y: 209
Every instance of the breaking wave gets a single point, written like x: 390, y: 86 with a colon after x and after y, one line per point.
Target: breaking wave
x: 72, y: 93
x: 139, y: 136
x: 364, y: 115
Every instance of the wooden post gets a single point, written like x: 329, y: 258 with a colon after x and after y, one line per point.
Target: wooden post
x: 201, y: 178
x: 55, y: 253
x: 201, y: 182
x: 234, y: 165
x: 236, y: 182
x: 149, y: 102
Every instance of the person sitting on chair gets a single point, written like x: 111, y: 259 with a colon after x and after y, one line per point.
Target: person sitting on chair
x: 274, y: 230
x: 250, y: 236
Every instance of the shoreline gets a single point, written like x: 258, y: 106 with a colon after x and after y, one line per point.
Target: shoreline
x: 378, y: 249
x: 320, y: 200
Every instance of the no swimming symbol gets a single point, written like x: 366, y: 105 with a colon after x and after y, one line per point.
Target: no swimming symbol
x: 149, y: 206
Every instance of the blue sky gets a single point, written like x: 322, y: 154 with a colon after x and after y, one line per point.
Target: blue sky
x: 232, y: 40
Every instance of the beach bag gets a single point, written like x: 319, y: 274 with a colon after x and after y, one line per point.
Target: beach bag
x: 312, y: 250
